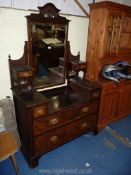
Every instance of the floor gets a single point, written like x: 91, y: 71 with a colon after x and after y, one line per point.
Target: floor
x: 108, y: 153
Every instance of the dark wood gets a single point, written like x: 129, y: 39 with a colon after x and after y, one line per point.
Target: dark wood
x: 108, y: 43
x: 54, y: 117
x: 49, y: 118
x: 48, y: 14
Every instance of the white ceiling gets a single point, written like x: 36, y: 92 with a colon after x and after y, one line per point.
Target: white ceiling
x: 66, y: 6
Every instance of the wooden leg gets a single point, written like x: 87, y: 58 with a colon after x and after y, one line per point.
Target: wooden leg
x: 95, y: 131
x: 15, y: 164
x: 33, y: 162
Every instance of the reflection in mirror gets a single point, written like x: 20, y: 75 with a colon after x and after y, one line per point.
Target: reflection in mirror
x: 48, y: 48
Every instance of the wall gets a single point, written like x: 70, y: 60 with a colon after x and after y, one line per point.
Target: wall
x: 13, y: 33
x: 63, y: 5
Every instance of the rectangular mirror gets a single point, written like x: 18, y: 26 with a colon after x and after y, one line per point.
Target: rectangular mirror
x: 48, y: 47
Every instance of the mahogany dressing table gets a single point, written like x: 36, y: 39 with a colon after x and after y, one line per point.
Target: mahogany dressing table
x: 52, y: 104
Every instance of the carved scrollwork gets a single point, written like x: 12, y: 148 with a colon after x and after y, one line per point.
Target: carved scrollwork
x: 49, y: 11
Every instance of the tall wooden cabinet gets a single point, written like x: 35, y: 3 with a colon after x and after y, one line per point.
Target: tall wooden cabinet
x: 109, y: 41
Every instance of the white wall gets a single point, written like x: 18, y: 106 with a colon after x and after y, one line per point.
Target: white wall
x: 13, y: 33
x: 63, y: 5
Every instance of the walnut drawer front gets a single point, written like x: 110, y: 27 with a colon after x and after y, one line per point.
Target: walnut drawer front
x: 24, y: 74
x: 47, y: 123
x: 61, y: 135
x: 89, y: 108
x: 95, y: 94
x: 39, y: 111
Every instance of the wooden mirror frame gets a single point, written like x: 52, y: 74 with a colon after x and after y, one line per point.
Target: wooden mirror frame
x: 48, y: 14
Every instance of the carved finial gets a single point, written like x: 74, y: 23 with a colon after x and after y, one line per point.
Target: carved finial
x: 79, y: 55
x: 9, y: 56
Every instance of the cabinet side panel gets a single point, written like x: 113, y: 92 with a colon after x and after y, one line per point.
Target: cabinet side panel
x: 95, y: 43
x: 22, y: 117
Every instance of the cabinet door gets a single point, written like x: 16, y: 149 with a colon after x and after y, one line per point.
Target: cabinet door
x: 108, y: 106
x: 125, y: 35
x: 113, y: 32
x: 123, y: 101
x: 129, y: 97
x: 124, y: 106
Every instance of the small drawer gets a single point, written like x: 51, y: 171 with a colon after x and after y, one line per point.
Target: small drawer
x: 24, y: 74
x: 89, y: 108
x: 80, y: 126
x: 77, y: 66
x: 88, y: 123
x: 39, y: 111
x: 95, y: 94
x: 82, y: 66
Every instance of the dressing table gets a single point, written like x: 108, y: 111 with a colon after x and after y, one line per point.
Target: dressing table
x: 52, y: 104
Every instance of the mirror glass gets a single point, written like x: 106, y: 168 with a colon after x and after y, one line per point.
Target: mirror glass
x: 48, y: 48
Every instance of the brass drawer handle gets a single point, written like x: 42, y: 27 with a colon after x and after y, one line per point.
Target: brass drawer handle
x: 40, y: 111
x: 53, y: 121
x: 95, y: 95
x: 26, y: 74
x: 86, y: 109
x: 82, y: 67
x: 84, y: 125
x: 54, y: 138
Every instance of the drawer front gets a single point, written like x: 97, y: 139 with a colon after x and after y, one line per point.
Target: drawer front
x: 95, y: 94
x: 80, y: 126
x: 78, y: 66
x: 86, y: 109
x: 39, y: 111
x: 82, y: 66
x: 58, y: 136
x: 47, y: 123
x: 24, y: 74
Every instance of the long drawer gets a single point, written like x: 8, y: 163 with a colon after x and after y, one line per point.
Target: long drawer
x: 57, y: 119
x: 63, y: 134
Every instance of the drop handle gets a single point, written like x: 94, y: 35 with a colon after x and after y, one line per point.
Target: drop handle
x: 40, y: 111
x: 84, y: 125
x: 26, y: 74
x: 53, y: 121
x: 85, y: 109
x: 95, y: 95
x: 54, y: 138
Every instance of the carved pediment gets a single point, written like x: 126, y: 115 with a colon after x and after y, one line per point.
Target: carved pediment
x: 49, y: 11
